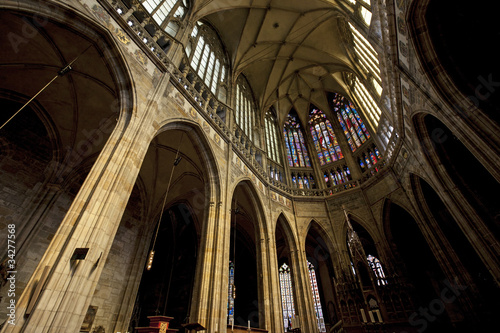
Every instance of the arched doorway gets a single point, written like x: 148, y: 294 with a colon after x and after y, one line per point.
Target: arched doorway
x: 418, y: 266
x: 166, y: 288
x: 467, y: 264
x: 321, y: 276
x: 178, y: 176
x: 473, y: 180
x: 245, y: 298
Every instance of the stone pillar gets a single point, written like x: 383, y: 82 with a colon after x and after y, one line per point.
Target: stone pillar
x: 210, y: 271
x: 274, y: 296
x: 90, y: 223
x: 303, y: 298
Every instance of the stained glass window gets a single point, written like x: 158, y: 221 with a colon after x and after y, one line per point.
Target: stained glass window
x: 272, y: 137
x: 324, y: 138
x: 354, y: 129
x: 231, y: 294
x: 361, y: 164
x: 316, y: 299
x: 337, y: 176
x: 295, y: 144
x: 286, y: 296
x: 373, y: 157
x: 376, y: 266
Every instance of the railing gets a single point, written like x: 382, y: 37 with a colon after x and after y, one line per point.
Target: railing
x: 337, y: 328
x: 214, y: 111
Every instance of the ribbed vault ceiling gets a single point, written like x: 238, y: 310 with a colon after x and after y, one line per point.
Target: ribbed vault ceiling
x: 290, y: 51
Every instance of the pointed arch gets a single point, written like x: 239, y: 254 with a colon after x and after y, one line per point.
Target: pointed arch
x: 283, y: 223
x: 203, y: 148
x: 321, y: 259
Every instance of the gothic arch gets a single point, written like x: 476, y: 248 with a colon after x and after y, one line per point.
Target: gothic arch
x: 469, y: 181
x: 203, y: 148
x: 101, y: 39
x: 42, y: 115
x: 449, y: 79
x: 187, y: 196
x: 370, y: 228
x: 323, y: 258
x: 289, y: 234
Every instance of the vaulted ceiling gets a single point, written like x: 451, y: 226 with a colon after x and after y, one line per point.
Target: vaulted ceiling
x: 290, y: 51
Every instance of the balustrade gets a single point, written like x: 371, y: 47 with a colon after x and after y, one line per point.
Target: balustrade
x: 157, y: 43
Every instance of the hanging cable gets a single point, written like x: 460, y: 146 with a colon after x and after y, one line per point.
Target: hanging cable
x: 152, y: 252
x: 176, y: 162
x: 62, y: 72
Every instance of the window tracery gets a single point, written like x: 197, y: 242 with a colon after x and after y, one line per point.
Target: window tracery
x: 272, y: 137
x: 287, y: 301
x: 294, y: 143
x: 245, y: 108
x: 354, y: 129
x: 317, y: 301
x: 324, y: 138
x: 208, y: 59
x: 376, y: 266
x: 167, y: 13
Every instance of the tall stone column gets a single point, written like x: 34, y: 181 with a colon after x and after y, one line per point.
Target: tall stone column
x: 303, y: 298
x: 274, y: 287
x: 90, y: 224
x: 206, y: 310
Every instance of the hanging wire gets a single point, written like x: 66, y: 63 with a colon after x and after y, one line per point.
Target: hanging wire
x: 152, y: 252
x: 176, y: 162
x: 62, y: 72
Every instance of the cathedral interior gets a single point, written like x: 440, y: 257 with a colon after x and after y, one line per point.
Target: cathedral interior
x: 249, y: 166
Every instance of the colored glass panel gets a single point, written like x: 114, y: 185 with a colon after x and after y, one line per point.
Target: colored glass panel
x: 286, y: 296
x: 297, y: 148
x: 324, y: 138
x: 231, y: 294
x: 317, y: 301
x: 350, y: 121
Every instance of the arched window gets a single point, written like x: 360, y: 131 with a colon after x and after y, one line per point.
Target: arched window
x: 324, y: 138
x: 231, y: 294
x: 245, y: 108
x: 294, y: 142
x: 167, y: 13
x: 316, y: 299
x: 272, y: 137
x: 286, y: 296
x: 208, y: 59
x: 377, y: 269
x: 352, y: 124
